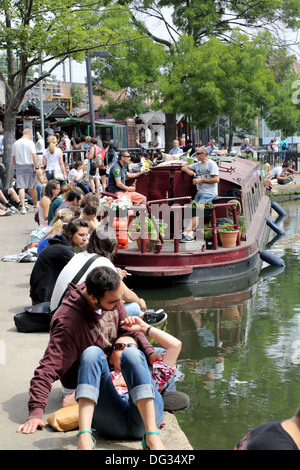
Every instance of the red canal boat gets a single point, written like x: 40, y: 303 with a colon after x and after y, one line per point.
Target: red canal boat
x: 173, y: 262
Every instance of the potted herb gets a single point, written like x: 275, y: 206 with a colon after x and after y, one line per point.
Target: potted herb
x: 228, y: 235
x: 150, y: 230
x: 242, y: 225
x: 207, y: 207
x: 208, y: 236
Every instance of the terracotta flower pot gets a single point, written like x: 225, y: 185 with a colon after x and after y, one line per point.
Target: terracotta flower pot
x: 229, y: 238
x: 150, y: 243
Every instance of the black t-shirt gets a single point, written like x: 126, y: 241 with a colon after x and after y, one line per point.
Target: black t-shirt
x: 268, y: 436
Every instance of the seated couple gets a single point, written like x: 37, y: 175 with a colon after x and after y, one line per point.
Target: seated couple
x: 86, y: 330
x: 206, y: 178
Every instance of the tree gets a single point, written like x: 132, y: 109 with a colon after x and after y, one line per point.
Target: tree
x: 193, y: 89
x: 78, y: 95
x: 34, y: 33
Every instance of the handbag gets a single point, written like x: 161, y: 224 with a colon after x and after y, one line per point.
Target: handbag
x: 58, y: 174
x: 93, y: 168
x: 37, y: 318
x: 65, y: 419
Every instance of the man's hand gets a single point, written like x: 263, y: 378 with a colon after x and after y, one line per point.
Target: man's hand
x: 31, y: 426
x: 197, y: 181
x: 156, y: 356
x: 130, y: 189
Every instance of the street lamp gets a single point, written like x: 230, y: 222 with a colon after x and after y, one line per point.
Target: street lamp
x: 90, y: 86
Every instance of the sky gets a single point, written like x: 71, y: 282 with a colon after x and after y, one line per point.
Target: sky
x: 78, y: 70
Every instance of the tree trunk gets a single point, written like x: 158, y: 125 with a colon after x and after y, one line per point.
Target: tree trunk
x: 230, y: 140
x: 170, y: 131
x: 9, y: 138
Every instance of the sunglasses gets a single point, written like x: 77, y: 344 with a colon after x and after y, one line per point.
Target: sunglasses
x: 199, y: 153
x: 121, y: 346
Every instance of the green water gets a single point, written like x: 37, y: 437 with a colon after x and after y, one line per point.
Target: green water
x: 240, y: 362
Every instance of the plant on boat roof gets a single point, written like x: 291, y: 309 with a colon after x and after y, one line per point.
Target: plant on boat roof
x: 120, y: 203
x: 203, y: 205
x: 149, y: 225
x: 208, y: 233
x: 242, y: 224
x: 226, y: 228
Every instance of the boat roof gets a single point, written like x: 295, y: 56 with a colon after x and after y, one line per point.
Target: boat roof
x: 238, y: 171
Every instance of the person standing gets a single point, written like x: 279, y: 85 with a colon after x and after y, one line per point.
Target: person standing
x: 247, y: 149
x: 26, y: 161
x: 206, y: 180
x: 175, y: 150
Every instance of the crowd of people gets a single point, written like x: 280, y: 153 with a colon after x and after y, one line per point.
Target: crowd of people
x: 99, y: 346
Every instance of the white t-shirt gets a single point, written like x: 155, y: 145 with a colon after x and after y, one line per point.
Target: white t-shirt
x: 69, y: 272
x: 276, y: 171
x: 22, y: 150
x: 73, y: 174
x: 52, y: 159
x: 206, y: 170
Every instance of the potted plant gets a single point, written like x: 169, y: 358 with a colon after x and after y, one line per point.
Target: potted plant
x: 242, y: 225
x: 228, y: 235
x: 150, y: 230
x: 208, y: 236
x: 118, y: 205
x: 207, y: 207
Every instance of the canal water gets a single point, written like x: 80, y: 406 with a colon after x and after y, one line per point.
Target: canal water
x: 240, y: 359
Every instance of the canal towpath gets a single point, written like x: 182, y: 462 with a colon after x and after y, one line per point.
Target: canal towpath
x: 20, y: 354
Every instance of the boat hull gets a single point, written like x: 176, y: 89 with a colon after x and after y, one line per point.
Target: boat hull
x: 215, y: 267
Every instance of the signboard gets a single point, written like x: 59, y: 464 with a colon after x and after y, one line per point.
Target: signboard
x: 66, y: 101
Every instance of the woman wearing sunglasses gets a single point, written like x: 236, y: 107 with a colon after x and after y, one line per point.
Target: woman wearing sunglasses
x: 131, y: 405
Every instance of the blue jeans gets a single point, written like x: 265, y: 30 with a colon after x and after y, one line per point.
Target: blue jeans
x: 205, y: 197
x: 117, y: 416
x: 133, y: 309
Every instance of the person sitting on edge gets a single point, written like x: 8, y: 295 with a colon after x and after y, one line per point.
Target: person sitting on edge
x: 102, y: 242
x: 129, y: 397
x: 280, y: 173
x: 207, y: 179
x: 117, y: 176
x: 274, y: 435
x: 90, y: 315
x: 54, y: 257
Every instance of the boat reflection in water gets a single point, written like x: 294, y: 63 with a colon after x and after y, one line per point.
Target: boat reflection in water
x: 209, y: 327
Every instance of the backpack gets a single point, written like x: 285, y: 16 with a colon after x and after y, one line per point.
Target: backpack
x: 98, y: 157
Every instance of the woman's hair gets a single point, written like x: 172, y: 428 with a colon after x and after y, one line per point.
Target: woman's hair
x: 89, y: 198
x: 88, y: 138
x: 101, y: 280
x: 52, y: 184
x: 52, y: 141
x: 125, y: 334
x: 94, y: 141
x: 72, y: 227
x: 66, y: 188
x: 101, y: 242
x: 62, y: 216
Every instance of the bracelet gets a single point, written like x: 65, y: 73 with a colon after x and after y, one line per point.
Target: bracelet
x: 148, y: 329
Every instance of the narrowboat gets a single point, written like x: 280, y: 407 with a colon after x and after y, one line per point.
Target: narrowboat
x: 241, y: 196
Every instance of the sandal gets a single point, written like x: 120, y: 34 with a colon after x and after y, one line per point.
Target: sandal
x: 88, y: 430
x: 145, y: 447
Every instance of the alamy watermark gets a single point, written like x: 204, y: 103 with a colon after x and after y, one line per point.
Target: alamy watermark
x: 174, y: 218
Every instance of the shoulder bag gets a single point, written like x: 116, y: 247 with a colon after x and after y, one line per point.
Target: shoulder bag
x: 37, y: 318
